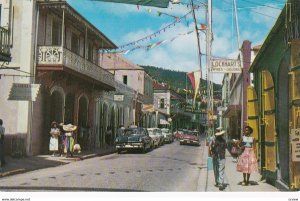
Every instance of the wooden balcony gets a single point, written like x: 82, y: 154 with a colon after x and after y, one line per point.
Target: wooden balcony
x: 4, y: 45
x: 52, y: 58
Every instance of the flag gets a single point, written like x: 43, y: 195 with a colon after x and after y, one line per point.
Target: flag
x: 203, y: 26
x: 195, y: 80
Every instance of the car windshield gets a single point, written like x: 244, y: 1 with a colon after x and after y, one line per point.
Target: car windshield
x: 165, y: 130
x: 135, y: 131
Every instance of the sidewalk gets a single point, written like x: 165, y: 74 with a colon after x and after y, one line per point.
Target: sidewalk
x: 30, y: 163
x: 233, y: 179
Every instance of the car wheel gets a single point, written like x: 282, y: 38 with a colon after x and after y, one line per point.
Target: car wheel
x: 180, y: 143
x: 119, y: 151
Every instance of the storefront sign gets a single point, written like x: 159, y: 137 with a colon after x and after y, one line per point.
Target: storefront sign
x: 225, y: 66
x: 119, y: 98
x: 295, y: 142
x: 24, y: 92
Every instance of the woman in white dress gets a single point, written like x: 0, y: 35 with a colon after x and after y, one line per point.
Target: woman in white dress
x: 54, y: 134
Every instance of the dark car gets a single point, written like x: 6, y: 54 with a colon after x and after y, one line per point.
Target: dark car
x: 190, y: 137
x: 134, y: 138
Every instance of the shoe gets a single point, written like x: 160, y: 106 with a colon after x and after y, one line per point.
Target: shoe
x: 244, y: 183
x: 222, y: 187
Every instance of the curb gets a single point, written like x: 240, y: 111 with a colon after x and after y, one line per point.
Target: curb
x: 203, y: 175
x: 67, y: 161
x: 12, y: 172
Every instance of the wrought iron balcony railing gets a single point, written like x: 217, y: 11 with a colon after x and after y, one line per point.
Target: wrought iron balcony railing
x: 4, y: 45
x: 59, y: 56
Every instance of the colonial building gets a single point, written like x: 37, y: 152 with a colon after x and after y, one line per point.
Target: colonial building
x: 136, y: 78
x: 58, y: 49
x: 276, y: 91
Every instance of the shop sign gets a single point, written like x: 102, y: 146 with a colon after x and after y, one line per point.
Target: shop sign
x: 295, y: 142
x: 225, y: 66
x: 119, y: 98
x: 24, y: 92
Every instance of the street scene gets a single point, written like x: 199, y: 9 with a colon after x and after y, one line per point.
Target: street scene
x: 150, y: 96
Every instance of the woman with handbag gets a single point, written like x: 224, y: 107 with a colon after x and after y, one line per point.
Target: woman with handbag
x: 247, y: 162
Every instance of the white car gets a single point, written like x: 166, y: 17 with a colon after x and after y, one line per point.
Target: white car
x: 153, y: 133
x: 168, y: 137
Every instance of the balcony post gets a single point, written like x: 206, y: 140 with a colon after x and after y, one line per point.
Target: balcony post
x: 63, y: 29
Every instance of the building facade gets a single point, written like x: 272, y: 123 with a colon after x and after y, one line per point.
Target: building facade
x: 276, y: 91
x: 56, y: 49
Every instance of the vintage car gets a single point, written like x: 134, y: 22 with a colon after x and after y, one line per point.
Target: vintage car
x: 168, y: 137
x: 161, y: 137
x: 154, y: 134
x: 134, y: 138
x: 190, y: 138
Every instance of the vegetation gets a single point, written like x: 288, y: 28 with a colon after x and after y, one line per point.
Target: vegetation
x: 176, y: 80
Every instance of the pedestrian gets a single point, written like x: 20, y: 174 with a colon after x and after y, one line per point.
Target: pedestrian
x: 61, y: 140
x: 2, y: 150
x: 108, y: 135
x: 70, y: 138
x: 247, y: 162
x: 218, y: 148
x: 54, y: 134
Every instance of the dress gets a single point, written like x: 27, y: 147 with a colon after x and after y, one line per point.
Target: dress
x: 53, y: 145
x: 247, y: 162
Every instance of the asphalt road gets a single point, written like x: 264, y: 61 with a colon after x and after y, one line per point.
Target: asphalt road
x: 171, y: 167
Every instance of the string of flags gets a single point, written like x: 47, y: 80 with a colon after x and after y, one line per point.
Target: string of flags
x: 157, y: 33
x: 152, y: 45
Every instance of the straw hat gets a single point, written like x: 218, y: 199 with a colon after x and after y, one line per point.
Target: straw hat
x: 69, y: 128
x: 219, y: 128
x: 220, y: 133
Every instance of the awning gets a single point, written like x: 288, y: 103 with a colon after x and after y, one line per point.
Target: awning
x: 232, y: 110
x: 154, y: 3
x: 148, y: 108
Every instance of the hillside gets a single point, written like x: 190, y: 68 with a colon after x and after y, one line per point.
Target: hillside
x: 177, y: 80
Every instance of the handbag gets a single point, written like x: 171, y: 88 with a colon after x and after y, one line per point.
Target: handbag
x: 234, y: 150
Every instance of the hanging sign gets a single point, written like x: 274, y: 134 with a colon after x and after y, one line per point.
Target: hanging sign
x: 225, y: 66
x: 295, y: 143
x: 24, y: 92
x: 119, y: 98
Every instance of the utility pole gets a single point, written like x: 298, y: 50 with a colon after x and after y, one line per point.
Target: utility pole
x: 199, y: 48
x: 210, y: 87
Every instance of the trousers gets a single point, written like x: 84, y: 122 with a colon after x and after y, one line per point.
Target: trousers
x: 219, y: 170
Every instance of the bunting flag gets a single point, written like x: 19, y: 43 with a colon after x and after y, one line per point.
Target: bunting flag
x: 154, y: 3
x: 195, y: 78
x: 202, y: 27
x: 151, y: 45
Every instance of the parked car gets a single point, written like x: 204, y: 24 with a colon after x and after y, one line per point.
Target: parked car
x: 153, y: 133
x: 168, y: 137
x: 134, y: 138
x: 161, y: 137
x: 190, y: 137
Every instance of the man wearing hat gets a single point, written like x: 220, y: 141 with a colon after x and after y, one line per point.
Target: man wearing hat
x: 218, y: 148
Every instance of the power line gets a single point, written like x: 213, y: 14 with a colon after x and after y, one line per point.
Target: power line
x: 255, y: 3
x: 254, y: 11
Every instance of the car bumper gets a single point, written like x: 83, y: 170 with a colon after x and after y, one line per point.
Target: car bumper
x: 129, y: 146
x: 187, y: 141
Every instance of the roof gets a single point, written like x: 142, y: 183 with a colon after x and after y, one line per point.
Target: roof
x: 159, y: 86
x: 113, y: 61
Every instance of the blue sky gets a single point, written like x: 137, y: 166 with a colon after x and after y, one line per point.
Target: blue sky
x: 128, y: 23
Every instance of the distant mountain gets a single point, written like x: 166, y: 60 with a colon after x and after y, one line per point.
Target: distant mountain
x: 177, y: 80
